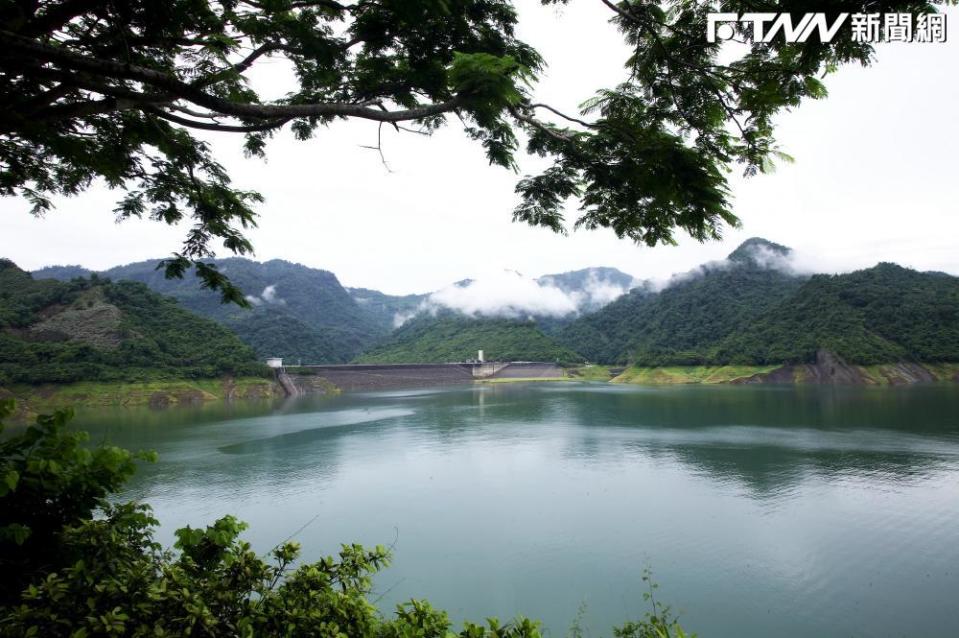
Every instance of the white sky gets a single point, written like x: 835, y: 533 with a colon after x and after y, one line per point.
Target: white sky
x: 875, y: 179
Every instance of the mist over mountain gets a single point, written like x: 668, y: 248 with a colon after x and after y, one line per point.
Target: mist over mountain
x: 388, y: 311
x: 552, y: 300
x: 679, y: 321
x: 757, y: 306
x: 305, y: 314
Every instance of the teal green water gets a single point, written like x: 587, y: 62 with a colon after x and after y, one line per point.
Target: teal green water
x: 769, y: 511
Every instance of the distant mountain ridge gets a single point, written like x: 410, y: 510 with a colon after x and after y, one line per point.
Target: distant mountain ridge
x: 297, y: 312
x: 305, y: 314
x: 752, y: 308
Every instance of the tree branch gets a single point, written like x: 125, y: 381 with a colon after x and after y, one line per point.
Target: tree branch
x: 562, y: 115
x: 193, y: 94
x: 532, y: 121
x: 212, y: 126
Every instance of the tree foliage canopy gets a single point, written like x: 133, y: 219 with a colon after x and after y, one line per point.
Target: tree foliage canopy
x: 114, y: 90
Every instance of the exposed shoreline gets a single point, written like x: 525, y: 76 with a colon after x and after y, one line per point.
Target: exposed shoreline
x: 160, y: 394
x: 827, y: 370
x: 35, y: 399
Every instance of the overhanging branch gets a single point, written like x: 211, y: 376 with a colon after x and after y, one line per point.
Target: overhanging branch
x: 213, y: 126
x: 196, y: 95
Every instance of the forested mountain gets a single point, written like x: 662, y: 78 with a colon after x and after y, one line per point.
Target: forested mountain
x: 92, y: 329
x: 451, y: 337
x: 297, y: 312
x: 387, y: 311
x: 752, y: 309
x: 683, y: 323
x: 883, y: 314
x: 302, y: 313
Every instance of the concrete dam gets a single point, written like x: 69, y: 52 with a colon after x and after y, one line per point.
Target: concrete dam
x: 305, y: 379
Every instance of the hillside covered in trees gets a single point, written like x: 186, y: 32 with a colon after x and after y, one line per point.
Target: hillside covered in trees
x: 882, y: 314
x: 296, y: 312
x: 753, y: 309
x: 305, y: 314
x: 92, y: 329
x: 452, y: 337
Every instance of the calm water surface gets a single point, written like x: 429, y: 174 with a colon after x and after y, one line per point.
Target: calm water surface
x: 761, y: 511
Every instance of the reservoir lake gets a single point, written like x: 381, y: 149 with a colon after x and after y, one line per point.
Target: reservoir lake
x: 761, y: 511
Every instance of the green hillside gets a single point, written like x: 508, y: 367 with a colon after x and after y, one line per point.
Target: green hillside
x: 386, y: 311
x: 749, y: 309
x: 449, y: 337
x: 91, y: 329
x: 297, y: 312
x: 752, y: 310
x: 880, y: 315
x: 684, y: 323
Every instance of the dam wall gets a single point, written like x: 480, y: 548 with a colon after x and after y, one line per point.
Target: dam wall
x: 381, y: 377
x: 349, y: 377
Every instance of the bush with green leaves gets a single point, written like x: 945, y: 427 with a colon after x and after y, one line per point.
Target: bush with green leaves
x: 76, y: 564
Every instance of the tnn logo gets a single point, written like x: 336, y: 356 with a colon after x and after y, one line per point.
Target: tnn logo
x: 767, y: 26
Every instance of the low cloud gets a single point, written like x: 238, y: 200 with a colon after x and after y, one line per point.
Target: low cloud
x: 402, y: 317
x: 762, y: 256
x: 505, y: 294
x: 268, y: 296
x: 510, y: 294
x: 599, y: 292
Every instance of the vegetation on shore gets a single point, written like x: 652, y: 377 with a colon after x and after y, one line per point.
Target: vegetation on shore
x: 77, y: 565
x: 591, y: 372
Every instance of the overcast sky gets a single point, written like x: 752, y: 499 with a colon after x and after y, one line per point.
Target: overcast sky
x: 875, y: 178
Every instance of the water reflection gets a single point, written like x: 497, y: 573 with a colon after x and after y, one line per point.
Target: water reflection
x: 807, y: 511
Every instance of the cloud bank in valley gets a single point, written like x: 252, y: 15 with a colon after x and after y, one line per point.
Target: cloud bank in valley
x: 510, y: 294
x: 506, y: 293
